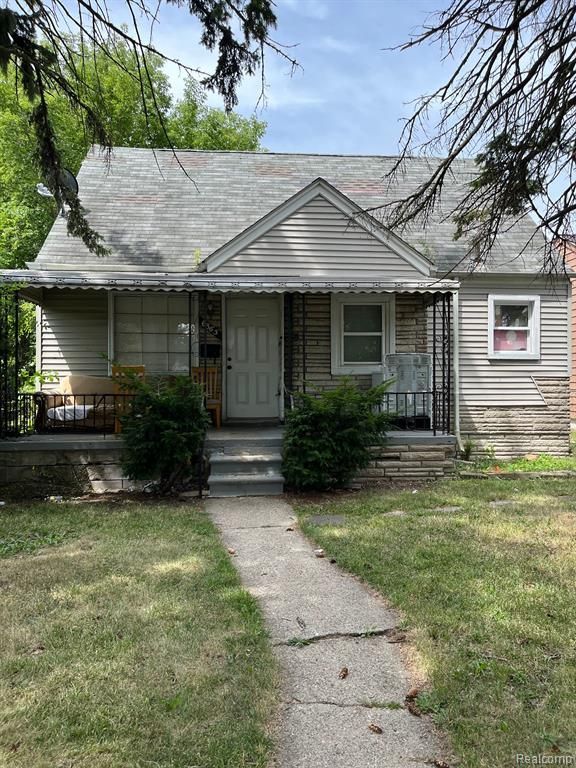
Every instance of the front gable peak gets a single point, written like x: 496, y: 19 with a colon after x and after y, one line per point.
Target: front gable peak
x: 319, y: 231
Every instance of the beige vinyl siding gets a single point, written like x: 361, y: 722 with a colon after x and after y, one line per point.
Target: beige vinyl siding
x: 316, y: 241
x: 74, y: 332
x: 486, y: 382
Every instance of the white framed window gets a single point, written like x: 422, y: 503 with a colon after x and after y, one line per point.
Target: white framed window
x: 155, y: 330
x: 362, y: 331
x: 513, y: 327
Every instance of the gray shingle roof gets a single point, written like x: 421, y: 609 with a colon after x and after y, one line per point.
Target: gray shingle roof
x: 153, y: 217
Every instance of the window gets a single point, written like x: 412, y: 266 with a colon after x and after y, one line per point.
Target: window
x: 361, y: 327
x: 155, y: 331
x: 514, y: 327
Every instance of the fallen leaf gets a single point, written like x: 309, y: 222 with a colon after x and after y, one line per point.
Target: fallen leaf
x: 375, y: 728
x: 343, y: 674
x: 301, y: 622
x: 410, y: 701
x: 290, y: 528
x: 14, y: 747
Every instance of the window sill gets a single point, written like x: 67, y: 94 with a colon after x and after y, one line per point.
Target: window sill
x: 507, y: 356
x: 349, y: 370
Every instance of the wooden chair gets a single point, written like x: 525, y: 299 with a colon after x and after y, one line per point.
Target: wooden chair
x: 209, y: 379
x: 121, y: 375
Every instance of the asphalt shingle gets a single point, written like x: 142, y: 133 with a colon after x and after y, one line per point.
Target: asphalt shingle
x: 154, y: 216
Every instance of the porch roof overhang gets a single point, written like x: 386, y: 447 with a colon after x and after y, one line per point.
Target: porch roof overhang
x: 201, y: 281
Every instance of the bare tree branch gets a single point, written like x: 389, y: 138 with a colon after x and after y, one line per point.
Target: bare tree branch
x: 509, y: 102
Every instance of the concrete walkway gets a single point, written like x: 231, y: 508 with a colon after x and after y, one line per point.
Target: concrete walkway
x: 325, y: 720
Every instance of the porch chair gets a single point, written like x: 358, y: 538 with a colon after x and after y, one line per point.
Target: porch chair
x: 209, y: 379
x: 121, y: 375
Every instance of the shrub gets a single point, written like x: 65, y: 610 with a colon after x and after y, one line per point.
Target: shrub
x: 328, y: 435
x: 164, y: 432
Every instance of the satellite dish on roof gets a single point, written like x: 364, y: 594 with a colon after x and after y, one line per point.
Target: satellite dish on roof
x: 67, y: 180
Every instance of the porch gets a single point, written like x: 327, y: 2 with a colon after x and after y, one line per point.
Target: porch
x: 262, y: 348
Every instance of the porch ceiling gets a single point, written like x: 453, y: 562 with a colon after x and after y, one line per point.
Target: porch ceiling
x: 158, y: 281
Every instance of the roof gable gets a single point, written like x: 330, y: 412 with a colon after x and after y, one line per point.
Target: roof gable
x: 318, y: 231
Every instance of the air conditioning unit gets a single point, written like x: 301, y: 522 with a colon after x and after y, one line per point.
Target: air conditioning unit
x: 409, y: 394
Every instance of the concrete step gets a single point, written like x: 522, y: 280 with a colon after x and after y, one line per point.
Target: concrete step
x: 234, y: 484
x: 236, y: 443
x: 245, y: 464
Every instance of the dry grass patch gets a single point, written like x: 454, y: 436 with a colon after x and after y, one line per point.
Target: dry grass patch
x: 487, y: 591
x: 126, y: 640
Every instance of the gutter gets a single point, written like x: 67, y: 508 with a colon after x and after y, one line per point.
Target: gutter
x: 456, y: 358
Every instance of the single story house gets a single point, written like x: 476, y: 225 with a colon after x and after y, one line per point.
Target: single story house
x: 271, y: 269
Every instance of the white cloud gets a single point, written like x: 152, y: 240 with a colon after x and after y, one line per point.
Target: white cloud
x: 329, y: 43
x: 311, y: 9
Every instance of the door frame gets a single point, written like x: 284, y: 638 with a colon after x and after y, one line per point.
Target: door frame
x: 255, y: 296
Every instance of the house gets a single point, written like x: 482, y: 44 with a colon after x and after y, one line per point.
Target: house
x: 568, y: 250
x: 270, y: 268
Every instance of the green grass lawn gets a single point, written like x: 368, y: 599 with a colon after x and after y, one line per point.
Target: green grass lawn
x: 127, y: 641
x: 488, y: 594
x: 539, y: 463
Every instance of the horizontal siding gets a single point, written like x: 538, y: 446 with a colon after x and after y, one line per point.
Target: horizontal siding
x: 570, y: 256
x: 319, y: 241
x: 510, y: 382
x: 74, y: 333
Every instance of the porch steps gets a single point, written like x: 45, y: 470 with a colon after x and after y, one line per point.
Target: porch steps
x: 245, y: 462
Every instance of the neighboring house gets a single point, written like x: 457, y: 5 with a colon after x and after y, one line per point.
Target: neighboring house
x: 265, y: 266
x: 569, y: 252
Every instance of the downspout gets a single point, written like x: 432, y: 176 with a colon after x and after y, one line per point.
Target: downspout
x: 456, y: 359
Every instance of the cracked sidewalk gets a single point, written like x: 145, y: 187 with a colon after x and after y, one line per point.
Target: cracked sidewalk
x: 321, y: 620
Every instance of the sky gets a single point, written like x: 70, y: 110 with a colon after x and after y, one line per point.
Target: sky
x: 349, y: 94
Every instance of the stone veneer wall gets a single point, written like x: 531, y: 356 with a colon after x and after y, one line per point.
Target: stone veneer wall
x: 411, y: 457
x: 411, y: 336
x: 57, y: 468
x: 94, y: 465
x: 515, y: 431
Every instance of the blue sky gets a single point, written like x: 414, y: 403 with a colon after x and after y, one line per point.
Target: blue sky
x: 350, y: 94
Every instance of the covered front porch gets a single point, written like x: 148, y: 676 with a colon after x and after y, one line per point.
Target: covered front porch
x: 258, y: 342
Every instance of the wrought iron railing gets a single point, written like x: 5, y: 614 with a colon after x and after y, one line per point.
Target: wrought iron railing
x: 410, y: 411
x: 45, y: 412
x: 17, y: 415
x: 81, y: 413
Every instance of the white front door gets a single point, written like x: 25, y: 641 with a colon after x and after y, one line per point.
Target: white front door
x: 253, y: 357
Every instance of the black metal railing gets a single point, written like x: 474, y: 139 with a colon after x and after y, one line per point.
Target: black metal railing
x: 45, y: 413
x: 429, y: 410
x: 81, y: 413
x: 17, y: 415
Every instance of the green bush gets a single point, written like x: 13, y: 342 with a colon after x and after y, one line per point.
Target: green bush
x: 328, y: 435
x: 164, y: 432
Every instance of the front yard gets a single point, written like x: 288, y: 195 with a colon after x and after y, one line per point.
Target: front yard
x: 126, y: 640
x: 484, y: 573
